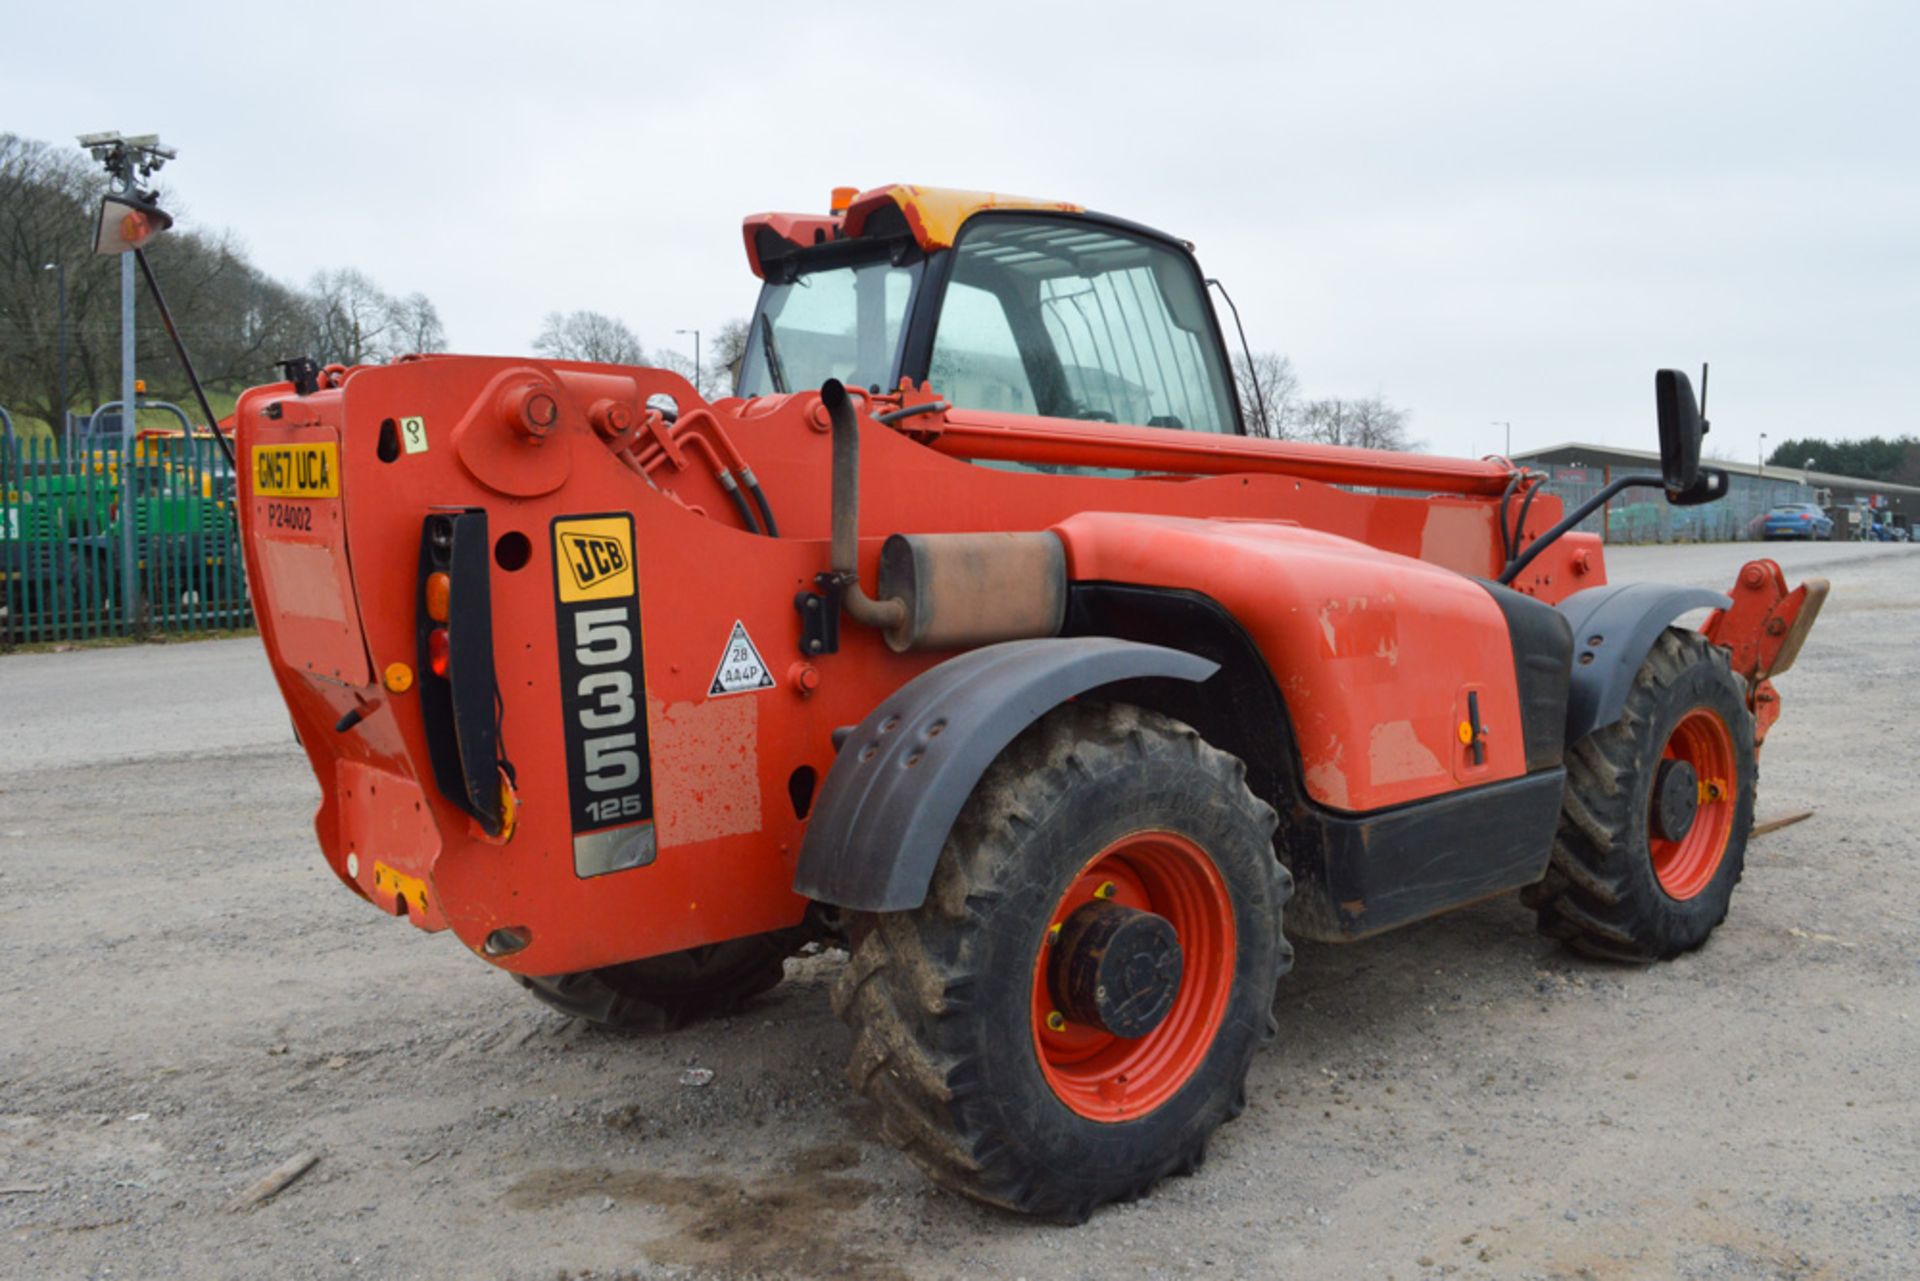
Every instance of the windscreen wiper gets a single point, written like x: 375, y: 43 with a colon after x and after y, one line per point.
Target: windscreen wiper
x: 775, y: 370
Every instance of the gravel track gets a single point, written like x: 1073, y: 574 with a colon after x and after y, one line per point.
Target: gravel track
x: 188, y: 998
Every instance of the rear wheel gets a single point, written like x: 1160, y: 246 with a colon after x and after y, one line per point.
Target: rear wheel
x: 1653, y: 836
x: 1072, y: 1011
x: 666, y: 992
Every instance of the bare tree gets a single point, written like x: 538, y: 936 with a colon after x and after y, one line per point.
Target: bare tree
x: 1370, y: 423
x: 235, y: 319
x: 729, y: 345
x: 676, y: 362
x: 354, y: 322
x: 587, y: 335
x: 1269, y: 394
x: 46, y: 214
x: 417, y: 325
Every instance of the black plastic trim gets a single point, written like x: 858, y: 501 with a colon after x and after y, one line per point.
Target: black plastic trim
x: 902, y: 776
x: 1392, y: 867
x: 1614, y: 628
x: 461, y: 712
x: 1542, y: 644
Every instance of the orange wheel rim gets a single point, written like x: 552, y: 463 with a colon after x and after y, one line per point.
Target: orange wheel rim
x: 1686, y: 866
x: 1108, y: 1078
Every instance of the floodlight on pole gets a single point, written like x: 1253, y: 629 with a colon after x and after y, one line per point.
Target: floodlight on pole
x: 129, y: 217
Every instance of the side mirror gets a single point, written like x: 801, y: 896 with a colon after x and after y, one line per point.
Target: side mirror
x: 128, y: 220
x: 1710, y: 484
x: 1680, y: 430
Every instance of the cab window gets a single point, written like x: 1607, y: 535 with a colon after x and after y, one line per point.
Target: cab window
x: 1060, y: 318
x: 840, y: 321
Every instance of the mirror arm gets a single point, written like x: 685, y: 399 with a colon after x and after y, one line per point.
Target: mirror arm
x: 1572, y: 518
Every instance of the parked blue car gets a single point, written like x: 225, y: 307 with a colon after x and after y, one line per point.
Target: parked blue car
x: 1797, y: 520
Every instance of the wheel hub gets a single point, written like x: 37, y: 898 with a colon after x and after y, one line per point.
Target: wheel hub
x: 1676, y: 799
x: 1116, y: 968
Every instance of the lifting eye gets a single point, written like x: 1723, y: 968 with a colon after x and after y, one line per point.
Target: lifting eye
x: 389, y: 446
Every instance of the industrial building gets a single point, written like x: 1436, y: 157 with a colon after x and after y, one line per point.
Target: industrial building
x: 1578, y: 471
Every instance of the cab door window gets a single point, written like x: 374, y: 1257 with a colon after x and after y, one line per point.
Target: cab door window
x: 1078, y: 321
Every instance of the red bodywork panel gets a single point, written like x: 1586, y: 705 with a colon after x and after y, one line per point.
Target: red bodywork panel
x: 1374, y: 653
x: 1357, y: 600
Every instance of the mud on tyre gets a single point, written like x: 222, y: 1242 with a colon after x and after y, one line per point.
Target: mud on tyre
x: 979, y: 1032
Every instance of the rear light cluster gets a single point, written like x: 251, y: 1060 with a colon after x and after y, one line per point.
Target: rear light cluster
x: 439, y: 596
x: 460, y: 706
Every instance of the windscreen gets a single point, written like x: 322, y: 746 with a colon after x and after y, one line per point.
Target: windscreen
x: 844, y: 321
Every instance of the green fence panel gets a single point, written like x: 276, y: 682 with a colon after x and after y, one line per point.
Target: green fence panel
x: 63, y: 518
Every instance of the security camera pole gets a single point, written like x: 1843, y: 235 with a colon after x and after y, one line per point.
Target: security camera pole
x: 127, y: 161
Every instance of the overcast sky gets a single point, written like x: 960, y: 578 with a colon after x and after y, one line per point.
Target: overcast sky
x: 1483, y: 211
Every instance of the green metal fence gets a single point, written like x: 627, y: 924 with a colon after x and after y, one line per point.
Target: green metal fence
x: 67, y: 521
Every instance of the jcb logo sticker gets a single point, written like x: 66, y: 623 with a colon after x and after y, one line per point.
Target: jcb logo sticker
x: 594, y: 557
x: 296, y: 471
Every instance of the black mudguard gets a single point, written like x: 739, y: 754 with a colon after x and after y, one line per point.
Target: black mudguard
x: 902, y: 776
x: 1614, y: 628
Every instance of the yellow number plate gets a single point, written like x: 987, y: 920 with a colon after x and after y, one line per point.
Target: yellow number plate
x: 296, y: 471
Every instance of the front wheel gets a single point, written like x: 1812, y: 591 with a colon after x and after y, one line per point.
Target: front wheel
x: 1653, y: 835
x: 1073, y: 1010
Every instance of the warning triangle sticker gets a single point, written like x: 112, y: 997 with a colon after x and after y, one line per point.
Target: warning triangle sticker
x: 741, y: 667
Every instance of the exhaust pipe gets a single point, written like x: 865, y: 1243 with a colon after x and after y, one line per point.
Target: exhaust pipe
x: 888, y: 615
x: 940, y: 591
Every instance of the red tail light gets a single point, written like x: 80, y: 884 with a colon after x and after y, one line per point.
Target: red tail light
x: 437, y: 651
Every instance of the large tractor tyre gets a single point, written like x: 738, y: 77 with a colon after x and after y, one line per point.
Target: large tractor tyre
x: 1072, y: 1011
x: 667, y: 992
x: 1653, y: 835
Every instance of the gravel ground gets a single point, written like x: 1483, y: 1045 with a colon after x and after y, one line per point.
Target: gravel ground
x: 187, y: 999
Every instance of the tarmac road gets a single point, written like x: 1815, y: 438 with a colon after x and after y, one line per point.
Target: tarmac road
x: 187, y: 999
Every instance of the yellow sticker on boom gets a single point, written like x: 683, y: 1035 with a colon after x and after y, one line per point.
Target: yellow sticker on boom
x: 595, y: 558
x: 296, y: 471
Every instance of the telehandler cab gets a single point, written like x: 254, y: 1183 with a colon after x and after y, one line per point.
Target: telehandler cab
x: 976, y: 633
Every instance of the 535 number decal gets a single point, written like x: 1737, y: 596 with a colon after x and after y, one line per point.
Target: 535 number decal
x: 602, y: 674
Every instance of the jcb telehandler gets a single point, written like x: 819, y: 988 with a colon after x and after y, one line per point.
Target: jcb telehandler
x: 976, y: 632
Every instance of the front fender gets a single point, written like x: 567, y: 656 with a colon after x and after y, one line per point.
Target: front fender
x: 1614, y: 628
x: 901, y: 777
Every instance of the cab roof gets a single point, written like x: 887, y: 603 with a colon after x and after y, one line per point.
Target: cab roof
x: 931, y: 215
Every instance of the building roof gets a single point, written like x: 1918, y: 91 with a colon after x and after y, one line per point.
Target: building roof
x: 1824, y: 479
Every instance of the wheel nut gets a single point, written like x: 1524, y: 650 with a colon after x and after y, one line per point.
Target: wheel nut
x: 1105, y: 891
x: 1056, y: 1021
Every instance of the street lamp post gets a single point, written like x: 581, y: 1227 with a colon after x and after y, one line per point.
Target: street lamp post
x: 60, y: 340
x: 1760, y: 457
x: 1508, y: 452
x: 696, y: 357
